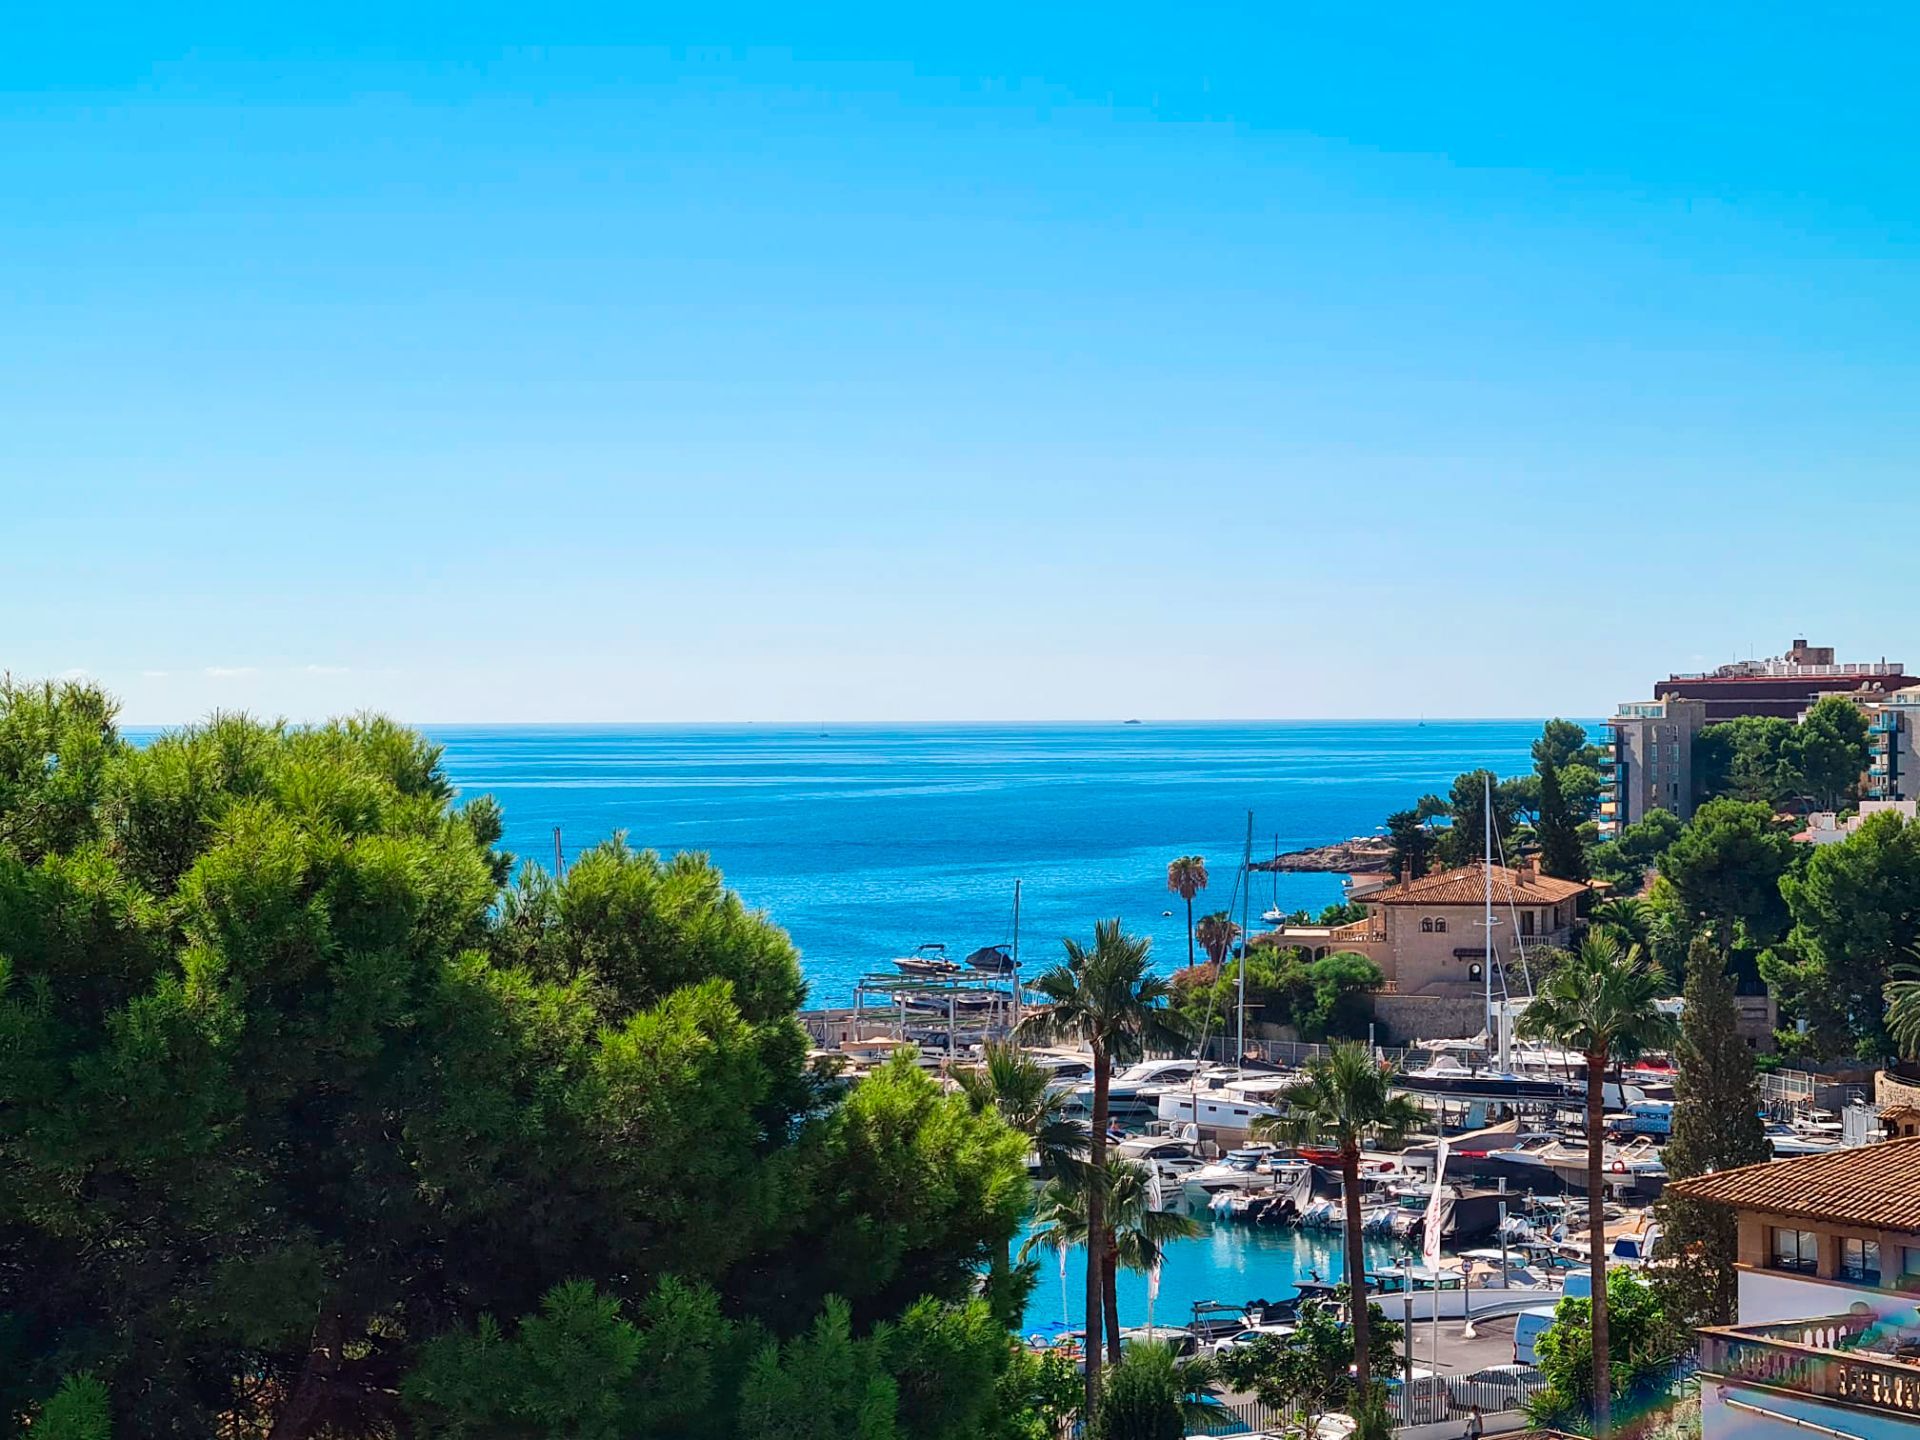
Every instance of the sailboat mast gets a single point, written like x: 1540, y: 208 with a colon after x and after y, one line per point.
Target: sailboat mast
x: 1246, y: 896
x: 1016, y: 957
x: 1486, y: 875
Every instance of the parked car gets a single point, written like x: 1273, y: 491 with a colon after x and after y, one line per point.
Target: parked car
x: 1248, y: 1336
x: 1431, y: 1402
x: 1496, y: 1388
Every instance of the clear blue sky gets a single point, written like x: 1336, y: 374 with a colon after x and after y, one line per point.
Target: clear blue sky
x: 746, y: 362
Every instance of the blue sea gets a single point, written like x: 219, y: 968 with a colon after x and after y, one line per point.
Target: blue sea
x: 864, y: 841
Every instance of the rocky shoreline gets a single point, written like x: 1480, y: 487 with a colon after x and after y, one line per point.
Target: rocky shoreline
x: 1347, y: 857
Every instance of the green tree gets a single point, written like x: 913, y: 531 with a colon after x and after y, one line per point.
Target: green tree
x: 1020, y: 1091
x: 1856, y: 912
x: 1623, y: 861
x: 824, y: 1385
x: 1412, y: 841
x: 1310, y: 1372
x: 1575, y: 1360
x: 1600, y: 1004
x: 902, y: 1190
x: 1463, y: 842
x: 1716, y: 1126
x: 1750, y: 758
x: 1217, y: 934
x: 293, y: 1087
x: 1725, y: 868
x: 1561, y: 853
x: 1563, y: 743
x: 1341, y: 1007
x: 1105, y: 998
x: 1187, y: 877
x: 1142, y: 1399
x: 1829, y: 750
x: 1344, y: 1100
x: 78, y: 1410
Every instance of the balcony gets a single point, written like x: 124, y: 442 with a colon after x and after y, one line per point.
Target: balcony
x: 1851, y: 1359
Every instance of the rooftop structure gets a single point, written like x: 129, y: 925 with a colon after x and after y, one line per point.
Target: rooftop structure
x: 1781, y: 685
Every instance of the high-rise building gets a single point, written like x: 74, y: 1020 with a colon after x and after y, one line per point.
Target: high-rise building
x: 1646, y: 761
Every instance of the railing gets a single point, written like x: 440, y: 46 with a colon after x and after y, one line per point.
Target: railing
x: 1448, y: 1397
x: 1810, y: 1357
x: 1366, y: 931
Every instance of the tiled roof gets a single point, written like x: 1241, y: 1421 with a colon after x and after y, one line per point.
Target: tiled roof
x: 1860, y: 1185
x: 1467, y: 886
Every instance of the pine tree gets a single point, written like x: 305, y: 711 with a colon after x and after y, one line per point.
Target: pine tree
x: 1716, y: 1126
x: 1561, y: 853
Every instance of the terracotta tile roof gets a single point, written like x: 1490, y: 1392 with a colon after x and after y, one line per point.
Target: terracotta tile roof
x: 1466, y: 886
x: 1864, y: 1185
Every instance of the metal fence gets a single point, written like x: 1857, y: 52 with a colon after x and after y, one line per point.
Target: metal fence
x: 1434, y: 1399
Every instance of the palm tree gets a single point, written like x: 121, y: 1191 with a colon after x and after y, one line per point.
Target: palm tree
x: 1345, y: 1101
x: 1013, y: 1086
x: 1600, y: 1001
x: 1903, y: 1008
x: 1103, y: 997
x: 1136, y: 1233
x: 1187, y: 877
x: 1216, y: 934
x: 1626, y: 916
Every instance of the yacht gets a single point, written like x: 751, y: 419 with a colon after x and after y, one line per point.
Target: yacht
x: 1247, y: 1168
x: 1066, y: 1069
x: 928, y: 961
x: 1418, y: 1293
x: 1134, y: 1093
x: 1232, y: 1105
x: 1789, y: 1140
x: 1173, y: 1158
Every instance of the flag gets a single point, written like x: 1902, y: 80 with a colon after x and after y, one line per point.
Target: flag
x: 1430, y: 1241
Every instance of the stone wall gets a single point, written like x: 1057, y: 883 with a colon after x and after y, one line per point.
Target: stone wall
x: 1406, y: 1018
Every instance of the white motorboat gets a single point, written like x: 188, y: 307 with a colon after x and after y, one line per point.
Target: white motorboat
x: 1134, y: 1093
x: 1789, y: 1140
x: 1244, y: 1169
x: 927, y: 962
x: 1231, y: 1105
x: 1173, y: 1158
x: 1483, y: 1286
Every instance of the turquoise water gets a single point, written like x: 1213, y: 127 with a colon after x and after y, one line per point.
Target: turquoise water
x: 1230, y: 1263
x: 864, y: 841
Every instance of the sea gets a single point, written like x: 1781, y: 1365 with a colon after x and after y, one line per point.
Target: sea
x: 864, y: 841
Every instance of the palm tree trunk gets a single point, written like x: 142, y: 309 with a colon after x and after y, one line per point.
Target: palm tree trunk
x: 1096, y: 1221
x: 1110, y: 1298
x: 1189, y: 932
x: 1597, y: 1238
x: 1357, y: 1316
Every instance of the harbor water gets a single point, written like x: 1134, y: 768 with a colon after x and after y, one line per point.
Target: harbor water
x: 1228, y: 1263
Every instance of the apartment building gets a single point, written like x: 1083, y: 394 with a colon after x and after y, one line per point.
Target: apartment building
x: 1646, y: 761
x: 1893, y: 746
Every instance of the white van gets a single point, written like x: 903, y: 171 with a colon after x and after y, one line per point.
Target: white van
x: 1528, y: 1326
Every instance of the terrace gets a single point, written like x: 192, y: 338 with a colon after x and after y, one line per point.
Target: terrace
x: 1853, y: 1359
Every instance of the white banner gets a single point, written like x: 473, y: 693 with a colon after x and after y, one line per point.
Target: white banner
x: 1430, y: 1241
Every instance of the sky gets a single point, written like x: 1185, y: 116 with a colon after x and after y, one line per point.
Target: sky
x: 734, y: 362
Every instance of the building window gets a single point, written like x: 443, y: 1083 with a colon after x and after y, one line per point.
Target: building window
x: 1440, y: 925
x: 1426, y: 925
x: 1796, y: 1250
x: 1860, y: 1261
x: 1526, y: 922
x: 1909, y: 1267
x: 1473, y: 971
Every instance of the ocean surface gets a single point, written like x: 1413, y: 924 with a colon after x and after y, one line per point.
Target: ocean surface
x: 864, y: 841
